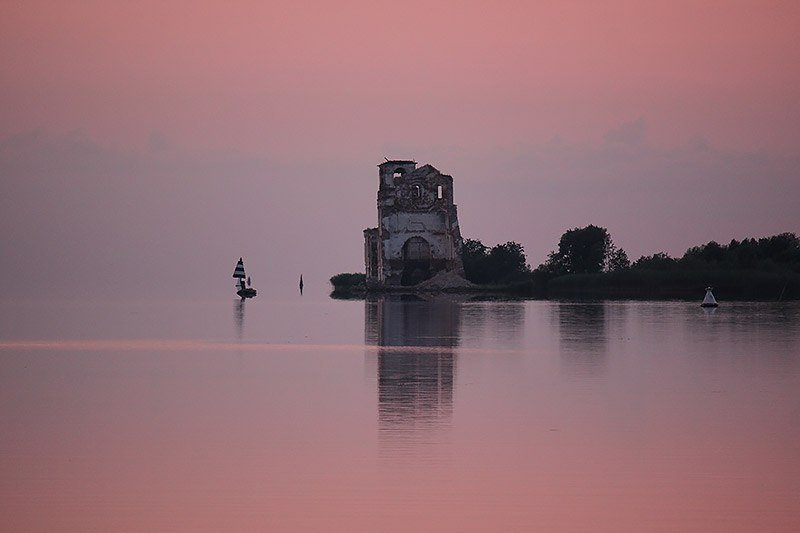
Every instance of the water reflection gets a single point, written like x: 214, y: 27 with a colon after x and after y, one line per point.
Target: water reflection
x: 416, y: 360
x: 764, y: 331
x: 238, y: 317
x: 693, y: 424
x: 583, y: 336
x: 498, y: 323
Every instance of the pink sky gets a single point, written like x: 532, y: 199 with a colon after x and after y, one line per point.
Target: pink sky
x: 164, y: 140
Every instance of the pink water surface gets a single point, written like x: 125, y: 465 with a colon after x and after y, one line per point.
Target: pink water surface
x: 443, y: 415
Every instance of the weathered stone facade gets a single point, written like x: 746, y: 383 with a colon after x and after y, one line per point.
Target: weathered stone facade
x: 418, y: 234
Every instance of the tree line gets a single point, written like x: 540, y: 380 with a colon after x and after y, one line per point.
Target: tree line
x: 587, y: 263
x: 586, y: 260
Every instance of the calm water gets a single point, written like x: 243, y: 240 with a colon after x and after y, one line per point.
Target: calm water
x: 389, y: 415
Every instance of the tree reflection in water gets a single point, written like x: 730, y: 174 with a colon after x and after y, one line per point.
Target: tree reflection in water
x: 583, y: 336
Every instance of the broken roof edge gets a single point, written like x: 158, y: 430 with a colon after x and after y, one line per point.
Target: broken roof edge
x: 427, y: 167
x: 427, y: 170
x: 397, y: 162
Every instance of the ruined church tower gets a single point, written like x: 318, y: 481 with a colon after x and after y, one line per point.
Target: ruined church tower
x: 417, y: 235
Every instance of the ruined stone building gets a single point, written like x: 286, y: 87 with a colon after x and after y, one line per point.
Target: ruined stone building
x: 417, y: 235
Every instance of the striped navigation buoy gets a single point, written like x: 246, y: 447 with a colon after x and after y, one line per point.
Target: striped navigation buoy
x: 243, y: 289
x: 239, y: 271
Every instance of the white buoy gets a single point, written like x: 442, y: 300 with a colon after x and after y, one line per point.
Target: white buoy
x: 709, y: 300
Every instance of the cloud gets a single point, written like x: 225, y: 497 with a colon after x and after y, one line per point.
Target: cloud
x: 78, y: 216
x: 651, y: 198
x: 628, y: 133
x: 158, y: 142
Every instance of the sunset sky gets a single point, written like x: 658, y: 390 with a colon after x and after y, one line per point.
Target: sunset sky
x: 145, y: 146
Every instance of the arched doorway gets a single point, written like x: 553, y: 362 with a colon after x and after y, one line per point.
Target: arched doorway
x: 416, y: 261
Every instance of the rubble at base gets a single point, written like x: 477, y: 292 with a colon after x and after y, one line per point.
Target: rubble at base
x: 444, y: 281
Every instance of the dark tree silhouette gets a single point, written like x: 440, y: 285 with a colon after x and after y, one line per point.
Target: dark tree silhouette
x: 501, y: 264
x: 776, y: 253
x: 581, y: 251
x: 507, y: 262
x: 475, y: 259
x: 658, y: 261
x: 618, y: 260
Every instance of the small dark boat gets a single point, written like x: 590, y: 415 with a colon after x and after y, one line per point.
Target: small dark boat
x: 244, y: 290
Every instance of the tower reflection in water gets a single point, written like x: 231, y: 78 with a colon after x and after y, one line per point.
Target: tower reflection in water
x: 416, y: 341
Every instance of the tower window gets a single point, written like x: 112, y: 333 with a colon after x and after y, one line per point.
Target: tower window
x: 439, y: 192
